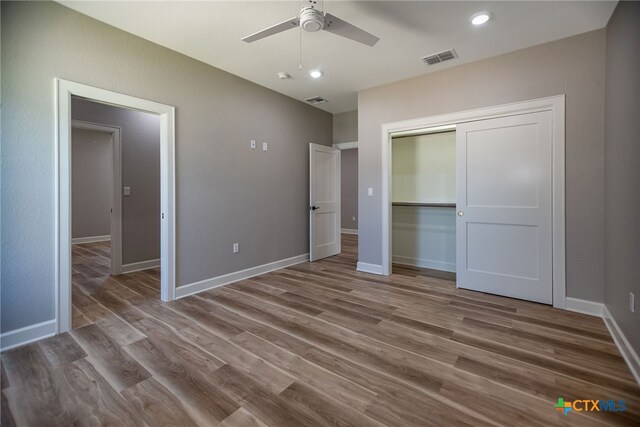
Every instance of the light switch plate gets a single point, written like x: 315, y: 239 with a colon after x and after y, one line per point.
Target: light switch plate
x: 370, y: 192
x: 236, y: 248
x: 253, y: 144
x: 127, y: 191
x: 265, y: 146
x: 632, y: 302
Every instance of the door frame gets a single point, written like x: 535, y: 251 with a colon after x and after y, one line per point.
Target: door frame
x: 116, y: 214
x: 63, y: 91
x: 555, y: 104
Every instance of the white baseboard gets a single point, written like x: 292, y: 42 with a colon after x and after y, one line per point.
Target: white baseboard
x: 214, y: 282
x: 348, y: 231
x: 28, y: 334
x: 142, y: 265
x: 628, y: 353
x: 90, y: 239
x: 369, y: 268
x: 426, y: 263
x: 585, y: 307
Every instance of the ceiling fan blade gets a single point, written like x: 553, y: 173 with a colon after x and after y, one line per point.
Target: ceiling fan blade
x: 274, y: 29
x: 342, y: 28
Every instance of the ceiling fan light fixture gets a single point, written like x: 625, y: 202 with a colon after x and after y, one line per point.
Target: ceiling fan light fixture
x: 480, y: 18
x: 316, y: 74
x: 311, y: 20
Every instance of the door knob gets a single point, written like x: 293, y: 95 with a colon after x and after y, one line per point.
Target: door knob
x: 460, y: 213
x: 313, y: 208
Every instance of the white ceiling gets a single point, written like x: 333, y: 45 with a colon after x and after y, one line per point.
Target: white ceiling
x: 211, y: 32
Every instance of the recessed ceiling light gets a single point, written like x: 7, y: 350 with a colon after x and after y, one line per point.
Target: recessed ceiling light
x: 480, y: 18
x: 284, y: 75
x: 315, y: 74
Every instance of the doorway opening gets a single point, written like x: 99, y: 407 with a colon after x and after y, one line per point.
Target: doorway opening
x: 121, y: 257
x: 423, y: 213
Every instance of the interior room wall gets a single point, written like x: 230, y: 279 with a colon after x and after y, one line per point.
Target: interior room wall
x: 345, y: 127
x: 140, y: 168
x: 573, y: 66
x: 424, y: 171
x: 225, y: 192
x: 622, y: 174
x: 91, y: 183
x: 349, y: 189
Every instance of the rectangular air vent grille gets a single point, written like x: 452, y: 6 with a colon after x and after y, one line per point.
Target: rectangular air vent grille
x: 316, y: 100
x: 439, y: 57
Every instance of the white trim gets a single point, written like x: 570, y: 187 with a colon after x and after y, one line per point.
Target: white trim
x: 214, y: 282
x: 63, y: 91
x: 346, y: 145
x: 628, y: 353
x: 370, y: 268
x: 142, y: 265
x: 116, y: 214
x: 90, y: 239
x: 555, y: 104
x: 425, y: 263
x: 583, y: 306
x: 28, y: 334
x: 349, y: 231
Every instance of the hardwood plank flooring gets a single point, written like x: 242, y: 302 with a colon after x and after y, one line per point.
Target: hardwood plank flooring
x: 314, y: 344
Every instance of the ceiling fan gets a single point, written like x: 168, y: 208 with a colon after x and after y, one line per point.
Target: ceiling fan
x: 312, y: 20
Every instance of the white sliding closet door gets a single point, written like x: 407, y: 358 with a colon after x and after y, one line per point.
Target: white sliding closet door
x: 504, y: 206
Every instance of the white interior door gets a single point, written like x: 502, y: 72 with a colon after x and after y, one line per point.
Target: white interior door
x: 504, y: 204
x: 324, y: 199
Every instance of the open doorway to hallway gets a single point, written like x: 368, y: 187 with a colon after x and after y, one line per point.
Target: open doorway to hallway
x: 115, y: 206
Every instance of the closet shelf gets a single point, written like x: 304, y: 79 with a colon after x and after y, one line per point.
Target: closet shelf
x: 428, y: 205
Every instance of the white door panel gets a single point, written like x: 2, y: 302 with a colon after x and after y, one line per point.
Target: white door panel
x: 324, y: 197
x: 504, y: 192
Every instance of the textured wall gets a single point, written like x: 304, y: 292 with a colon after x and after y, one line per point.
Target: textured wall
x: 225, y: 193
x: 572, y: 66
x: 91, y: 183
x: 622, y: 169
x: 140, y: 140
x: 349, y: 188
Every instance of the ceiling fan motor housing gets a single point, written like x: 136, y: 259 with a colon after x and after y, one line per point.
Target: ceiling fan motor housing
x: 311, y: 20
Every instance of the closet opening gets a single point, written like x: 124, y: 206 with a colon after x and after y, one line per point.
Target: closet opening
x: 423, y: 202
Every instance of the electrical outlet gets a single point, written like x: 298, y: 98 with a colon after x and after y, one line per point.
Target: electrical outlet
x: 265, y: 146
x: 632, y: 302
x: 127, y: 191
x: 236, y: 248
x: 253, y: 144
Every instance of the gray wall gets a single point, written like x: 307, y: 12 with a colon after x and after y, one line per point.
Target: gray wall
x: 91, y: 183
x: 572, y: 66
x: 225, y: 193
x: 349, y: 188
x: 140, y: 142
x: 345, y: 127
x: 622, y: 170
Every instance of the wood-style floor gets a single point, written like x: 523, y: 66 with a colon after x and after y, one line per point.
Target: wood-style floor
x: 314, y: 344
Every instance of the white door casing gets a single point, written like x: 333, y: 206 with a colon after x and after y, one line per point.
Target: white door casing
x: 324, y: 200
x: 504, y: 206
x: 64, y: 90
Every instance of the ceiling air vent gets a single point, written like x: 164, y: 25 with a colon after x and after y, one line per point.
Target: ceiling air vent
x: 439, y: 57
x: 316, y: 100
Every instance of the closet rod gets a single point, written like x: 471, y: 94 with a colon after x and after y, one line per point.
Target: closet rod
x: 428, y: 205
